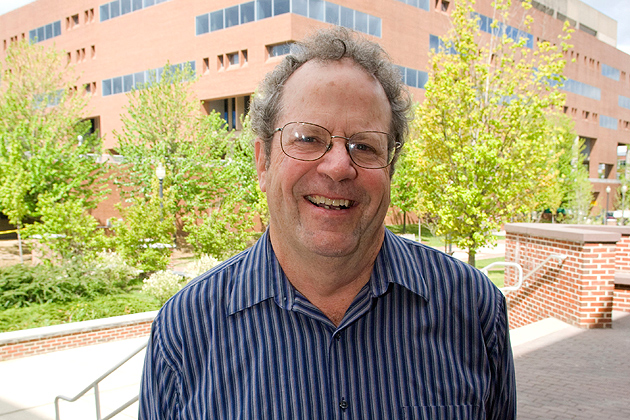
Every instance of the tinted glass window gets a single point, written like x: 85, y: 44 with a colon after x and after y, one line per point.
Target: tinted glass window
x: 117, y: 85
x: 125, y: 7
x: 114, y: 9
x: 280, y: 7
x: 263, y: 9
x: 138, y: 80
x: 332, y: 13
x: 49, y: 31
x: 57, y: 28
x: 316, y: 9
x: 300, y: 7
x: 107, y: 87
x: 104, y: 12
x: 360, y: 21
x: 346, y: 17
x: 375, y: 26
x: 148, y: 3
x: 201, y: 24
x: 231, y: 16
x: 137, y: 5
x: 248, y: 12
x: 216, y: 20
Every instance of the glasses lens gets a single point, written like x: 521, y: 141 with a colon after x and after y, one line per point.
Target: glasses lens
x: 304, y: 141
x: 370, y: 150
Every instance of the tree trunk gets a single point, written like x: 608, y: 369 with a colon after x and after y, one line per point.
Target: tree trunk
x: 472, y: 253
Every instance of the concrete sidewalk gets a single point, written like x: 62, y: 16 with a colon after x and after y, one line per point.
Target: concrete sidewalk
x: 562, y: 372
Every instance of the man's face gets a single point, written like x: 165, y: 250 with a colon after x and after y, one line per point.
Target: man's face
x: 307, y: 200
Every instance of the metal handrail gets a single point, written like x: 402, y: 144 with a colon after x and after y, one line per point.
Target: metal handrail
x: 94, y: 385
x: 521, y: 279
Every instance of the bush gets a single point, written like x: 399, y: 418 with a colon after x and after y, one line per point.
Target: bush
x: 201, y: 265
x: 42, y: 315
x: 22, y: 285
x: 162, y: 285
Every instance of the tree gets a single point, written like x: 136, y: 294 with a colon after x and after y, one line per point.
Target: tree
x: 40, y: 123
x: 404, y: 191
x: 483, y: 143
x: 164, y: 123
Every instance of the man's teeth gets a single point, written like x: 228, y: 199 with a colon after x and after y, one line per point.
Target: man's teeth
x: 328, y: 202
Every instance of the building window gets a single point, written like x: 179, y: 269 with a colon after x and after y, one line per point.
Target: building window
x: 315, y: 9
x: 45, y: 32
x: 412, y: 77
x: 608, y: 122
x: 128, y: 82
x: 420, y: 4
x: 117, y: 8
x: 233, y: 59
x: 279, y: 49
x: 582, y: 89
x: 611, y: 72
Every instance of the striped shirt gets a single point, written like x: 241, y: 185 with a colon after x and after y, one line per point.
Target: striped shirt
x: 426, y: 338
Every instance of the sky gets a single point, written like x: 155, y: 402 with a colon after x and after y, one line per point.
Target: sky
x: 617, y: 9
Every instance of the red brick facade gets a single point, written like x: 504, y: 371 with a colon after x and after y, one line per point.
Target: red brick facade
x: 579, y: 290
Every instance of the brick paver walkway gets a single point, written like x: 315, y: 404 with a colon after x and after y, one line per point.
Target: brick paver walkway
x: 584, y: 375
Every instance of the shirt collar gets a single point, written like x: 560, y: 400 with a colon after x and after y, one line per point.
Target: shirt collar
x: 261, y: 277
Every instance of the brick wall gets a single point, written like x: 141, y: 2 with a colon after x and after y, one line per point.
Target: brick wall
x: 25, y: 343
x: 580, y: 289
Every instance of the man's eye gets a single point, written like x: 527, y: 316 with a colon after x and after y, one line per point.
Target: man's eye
x: 364, y: 148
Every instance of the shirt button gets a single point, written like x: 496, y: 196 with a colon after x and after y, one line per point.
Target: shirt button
x: 337, y: 336
x: 343, y: 404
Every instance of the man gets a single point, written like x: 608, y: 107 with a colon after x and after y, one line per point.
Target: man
x: 329, y: 315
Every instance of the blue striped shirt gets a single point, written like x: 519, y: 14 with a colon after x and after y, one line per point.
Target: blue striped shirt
x: 426, y: 338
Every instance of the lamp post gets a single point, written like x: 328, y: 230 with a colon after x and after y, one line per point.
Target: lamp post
x: 607, y: 195
x: 160, y: 173
x: 624, y: 190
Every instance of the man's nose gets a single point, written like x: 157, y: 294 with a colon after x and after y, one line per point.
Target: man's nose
x: 336, y: 163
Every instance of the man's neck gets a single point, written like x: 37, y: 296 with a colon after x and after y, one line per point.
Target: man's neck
x: 330, y: 283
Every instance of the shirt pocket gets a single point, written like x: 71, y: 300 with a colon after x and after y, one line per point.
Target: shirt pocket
x: 444, y: 412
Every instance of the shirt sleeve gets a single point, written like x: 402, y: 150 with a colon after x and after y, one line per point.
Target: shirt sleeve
x: 159, y: 396
x: 501, y: 401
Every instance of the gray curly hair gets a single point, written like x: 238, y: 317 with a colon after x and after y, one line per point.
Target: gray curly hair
x: 329, y: 45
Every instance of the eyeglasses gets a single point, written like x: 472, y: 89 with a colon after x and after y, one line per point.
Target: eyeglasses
x: 308, y: 142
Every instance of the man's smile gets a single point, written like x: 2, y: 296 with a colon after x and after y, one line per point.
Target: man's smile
x: 329, y: 203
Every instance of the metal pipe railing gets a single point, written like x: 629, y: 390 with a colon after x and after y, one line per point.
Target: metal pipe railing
x: 520, y: 278
x: 97, y: 398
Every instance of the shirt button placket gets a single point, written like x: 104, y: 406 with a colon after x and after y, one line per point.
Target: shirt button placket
x: 343, y: 404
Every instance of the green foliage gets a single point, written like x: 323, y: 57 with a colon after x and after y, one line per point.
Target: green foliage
x: 404, y: 190
x: 22, y: 285
x: 144, y: 235
x: 481, y: 137
x: 40, y: 121
x: 42, y: 315
x: 66, y: 228
x: 164, y: 123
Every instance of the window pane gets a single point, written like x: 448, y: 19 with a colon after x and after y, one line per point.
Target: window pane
x: 280, y: 7
x: 316, y: 9
x: 281, y: 49
x: 137, y: 5
x: 107, y: 87
x: 231, y: 16
x: 57, y: 28
x: 361, y: 22
x: 375, y: 26
x: 423, y: 78
x: 216, y: 20
x: 332, y: 13
x: 138, y: 80
x: 32, y: 35
x: 41, y: 34
x: 413, y: 3
x: 263, y: 9
x: 201, y: 24
x: 128, y: 82
x: 114, y: 9
x: 104, y: 12
x: 125, y: 7
x: 117, y: 85
x: 193, y: 66
x: 233, y: 58
x: 248, y: 12
x: 148, y: 3
x: 411, y: 78
x: 346, y: 17
x: 49, y: 31
x: 423, y: 4
x: 300, y: 7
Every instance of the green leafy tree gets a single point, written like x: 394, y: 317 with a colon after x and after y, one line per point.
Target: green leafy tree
x: 40, y: 124
x: 164, y: 123
x: 482, y: 139
x: 404, y: 192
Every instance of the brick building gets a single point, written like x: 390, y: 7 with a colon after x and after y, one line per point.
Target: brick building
x: 231, y: 44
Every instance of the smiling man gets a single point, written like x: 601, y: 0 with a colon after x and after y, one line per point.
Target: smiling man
x: 329, y: 315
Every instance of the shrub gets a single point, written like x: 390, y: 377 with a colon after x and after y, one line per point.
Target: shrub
x: 162, y: 285
x: 201, y: 265
x: 22, y: 285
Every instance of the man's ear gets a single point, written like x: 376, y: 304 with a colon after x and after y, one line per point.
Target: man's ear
x: 261, y: 163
